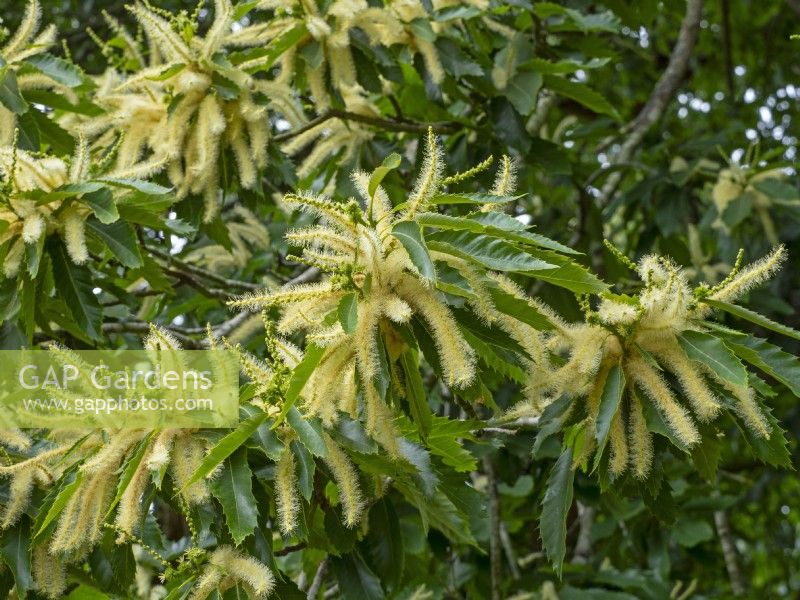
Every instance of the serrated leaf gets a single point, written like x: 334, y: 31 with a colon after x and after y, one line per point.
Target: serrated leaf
x: 233, y: 487
x: 62, y: 71
x: 347, y: 312
x: 120, y: 238
x: 555, y: 506
x: 581, y: 93
x: 610, y: 400
x: 385, y: 541
x: 477, y: 198
x: 300, y: 374
x: 712, y: 352
x: 304, y: 468
x: 491, y: 252
x: 415, y: 393
x: 769, y: 358
x: 309, y: 431
x: 409, y: 234
x: 9, y: 90
x: 754, y: 317
x: 102, y: 203
x: 75, y: 286
x: 68, y: 486
x: 227, y: 446
x: 356, y: 580
x: 15, y: 553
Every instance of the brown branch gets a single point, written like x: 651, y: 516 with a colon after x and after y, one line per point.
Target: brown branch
x: 795, y: 6
x: 289, y: 549
x: 727, y: 44
x: 200, y: 272
x: 583, y: 546
x: 660, y: 97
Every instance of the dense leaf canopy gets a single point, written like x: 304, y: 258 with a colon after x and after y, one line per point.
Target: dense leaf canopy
x: 511, y: 285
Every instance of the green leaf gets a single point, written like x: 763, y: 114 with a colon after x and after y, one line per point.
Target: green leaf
x: 690, y: 532
x: 487, y: 251
x: 409, y: 234
x: 15, y: 552
x: 9, y: 91
x: 129, y: 470
x: 309, y: 431
x: 170, y: 71
x: 146, y: 187
x: 356, y: 581
x: 300, y: 374
x: 415, y: 393
x: 754, y: 317
x: 75, y: 285
x: 522, y: 91
x: 555, y: 506
x: 227, y: 446
x: 518, y: 308
x: 769, y: 358
x: 120, y: 239
x: 67, y: 487
x: 62, y: 71
x: 102, y: 204
x: 389, y: 163
x: 347, y: 312
x: 581, y: 93
x: 610, y: 400
x: 712, y: 352
x: 233, y: 487
x: 304, y: 469
x: 479, y: 198
x: 385, y: 541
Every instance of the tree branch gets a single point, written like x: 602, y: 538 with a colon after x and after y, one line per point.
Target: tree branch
x: 180, y: 265
x: 319, y: 579
x: 729, y: 552
x: 660, y: 97
x: 495, y: 542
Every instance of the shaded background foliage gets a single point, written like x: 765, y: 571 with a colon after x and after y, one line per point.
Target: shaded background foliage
x: 739, y: 99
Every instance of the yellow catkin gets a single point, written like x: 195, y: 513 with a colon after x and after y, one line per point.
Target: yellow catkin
x: 346, y: 478
x: 457, y: 357
x: 187, y: 456
x: 618, y: 444
x: 654, y: 386
x: 641, y: 440
x: 749, y: 410
x: 702, y: 399
x: 751, y: 276
x: 19, y: 494
x: 286, y: 497
x: 49, y: 572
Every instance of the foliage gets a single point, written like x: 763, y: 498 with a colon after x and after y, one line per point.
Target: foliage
x: 438, y: 399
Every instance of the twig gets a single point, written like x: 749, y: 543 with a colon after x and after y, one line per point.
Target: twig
x: 795, y: 6
x: 319, y: 579
x: 200, y: 272
x: 495, y: 543
x: 403, y: 125
x: 660, y: 97
x: 289, y: 549
x: 143, y: 327
x: 729, y: 552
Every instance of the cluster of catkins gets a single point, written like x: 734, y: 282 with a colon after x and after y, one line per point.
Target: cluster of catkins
x: 359, y: 254
x: 91, y: 464
x: 642, y: 334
